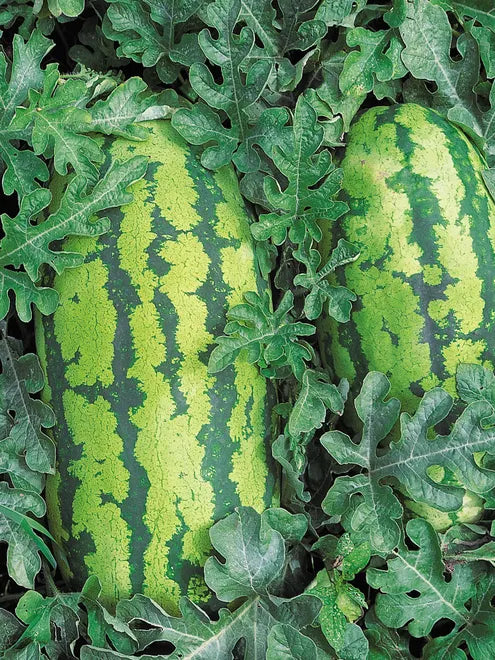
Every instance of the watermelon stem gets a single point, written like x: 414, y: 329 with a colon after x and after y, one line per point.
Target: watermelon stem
x: 51, y: 587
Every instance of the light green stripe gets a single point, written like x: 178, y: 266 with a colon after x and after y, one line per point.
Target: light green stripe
x: 84, y: 326
x: 462, y: 297
x: 246, y: 423
x: 101, y: 473
x: 389, y: 321
x: 85, y: 321
x: 155, y: 437
x: 189, y: 269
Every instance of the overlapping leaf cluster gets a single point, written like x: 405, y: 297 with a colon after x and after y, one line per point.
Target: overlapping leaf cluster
x: 271, y: 86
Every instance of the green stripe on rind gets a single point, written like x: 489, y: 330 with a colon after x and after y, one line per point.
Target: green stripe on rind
x: 194, y: 446
x: 425, y: 224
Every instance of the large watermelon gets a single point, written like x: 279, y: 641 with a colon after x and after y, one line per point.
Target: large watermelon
x: 151, y: 448
x: 425, y: 223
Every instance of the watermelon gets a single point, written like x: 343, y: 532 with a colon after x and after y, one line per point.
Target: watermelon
x: 425, y: 224
x: 470, y: 511
x: 152, y: 449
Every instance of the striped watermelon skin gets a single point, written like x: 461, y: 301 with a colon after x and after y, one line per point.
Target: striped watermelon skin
x: 151, y: 448
x: 425, y: 223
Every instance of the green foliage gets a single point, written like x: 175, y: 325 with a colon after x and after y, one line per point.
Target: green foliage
x: 152, y: 32
x: 422, y: 570
x: 315, y: 397
x: 235, y: 96
x: 270, y: 338
x: 24, y: 417
x: 28, y: 245
x: 263, y: 620
x: 300, y: 204
x: 408, y: 460
x: 271, y: 86
x: 341, y: 605
x: 427, y: 35
x: 338, y: 298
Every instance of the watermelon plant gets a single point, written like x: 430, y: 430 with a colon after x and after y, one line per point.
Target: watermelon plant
x: 247, y: 391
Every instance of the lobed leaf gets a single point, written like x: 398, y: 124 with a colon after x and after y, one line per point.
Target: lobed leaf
x: 24, y: 447
x: 254, y: 556
x: 408, y: 460
x: 315, y: 397
x: 18, y: 531
x: 312, y: 184
x: 481, y: 10
x: 464, y: 599
x: 285, y: 641
x: 269, y: 338
x: 373, y: 61
x: 235, y: 95
x: 28, y: 245
x: 22, y: 169
x: 338, y: 298
x: 427, y: 35
x: 152, y: 32
x: 251, y: 554
x: 341, y: 604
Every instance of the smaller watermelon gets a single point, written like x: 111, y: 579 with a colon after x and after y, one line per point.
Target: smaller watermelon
x: 470, y: 511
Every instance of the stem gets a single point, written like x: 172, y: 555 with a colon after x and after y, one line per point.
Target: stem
x: 9, y: 597
x: 51, y: 587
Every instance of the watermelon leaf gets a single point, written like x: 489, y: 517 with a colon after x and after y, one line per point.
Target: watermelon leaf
x: 24, y: 416
x: 13, y: 463
x: 488, y: 132
x: 343, y: 12
x: 196, y: 634
x: 152, y: 33
x: 481, y: 10
x: 316, y: 396
x: 465, y: 543
x: 320, y: 290
x: 343, y: 554
x: 476, y: 383
x: 27, y: 244
x: 235, y: 95
x: 269, y: 338
x: 384, y: 640
x: 10, y: 629
x: 312, y: 184
x: 292, y: 458
x: 94, y: 50
x: 252, y: 552
x: 427, y: 35
x: 63, y: 611
x: 89, y: 652
x: 486, y: 43
x: 54, y: 115
x: 408, y: 459
x: 199, y: 125
x: 422, y: 571
x: 129, y: 102
x: 354, y: 644
x: 23, y: 561
x: 328, y: 98
x: 373, y: 61
x: 22, y: 169
x: 285, y: 641
x: 57, y: 122
x: 254, y: 556
x: 280, y: 35
x: 341, y: 604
